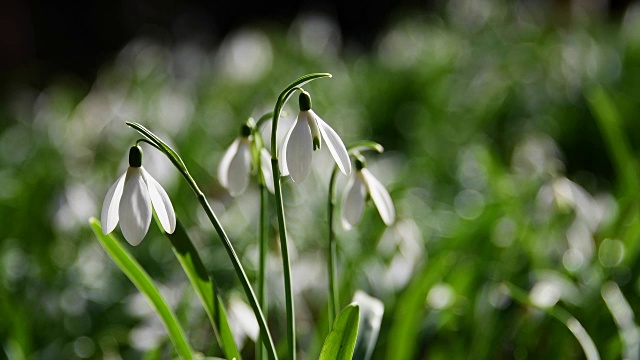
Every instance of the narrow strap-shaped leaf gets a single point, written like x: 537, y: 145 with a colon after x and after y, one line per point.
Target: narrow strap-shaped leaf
x: 206, y: 289
x: 341, y: 340
x: 145, y: 285
x: 611, y: 125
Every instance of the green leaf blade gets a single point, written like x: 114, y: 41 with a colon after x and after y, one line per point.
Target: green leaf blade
x: 205, y: 287
x: 341, y: 341
x: 145, y: 285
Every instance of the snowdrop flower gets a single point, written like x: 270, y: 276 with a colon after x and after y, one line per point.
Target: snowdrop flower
x: 304, y: 137
x: 235, y: 168
x: 129, y: 201
x: 363, y: 183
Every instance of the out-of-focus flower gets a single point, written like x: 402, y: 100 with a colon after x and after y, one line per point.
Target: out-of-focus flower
x: 304, y: 137
x: 129, y: 201
x: 363, y: 183
x: 235, y: 168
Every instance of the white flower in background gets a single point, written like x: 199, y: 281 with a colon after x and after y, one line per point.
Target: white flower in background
x: 129, y: 201
x: 304, y: 137
x: 363, y: 183
x: 234, y: 170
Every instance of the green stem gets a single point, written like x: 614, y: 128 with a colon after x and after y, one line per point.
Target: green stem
x: 179, y: 164
x: 331, y: 256
x: 353, y: 150
x: 262, y: 266
x: 286, y: 266
x: 282, y: 99
x: 267, y: 341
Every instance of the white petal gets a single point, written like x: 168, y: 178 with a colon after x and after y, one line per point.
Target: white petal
x: 161, y: 203
x: 223, y: 167
x: 109, y: 216
x: 298, y: 150
x: 282, y: 163
x: 240, y: 168
x: 335, y: 145
x: 135, y: 207
x: 380, y: 197
x: 353, y: 201
x: 265, y: 165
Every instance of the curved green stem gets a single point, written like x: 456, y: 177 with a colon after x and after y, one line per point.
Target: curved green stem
x: 262, y: 119
x: 333, y: 302
x: 244, y: 280
x: 331, y: 256
x: 282, y: 99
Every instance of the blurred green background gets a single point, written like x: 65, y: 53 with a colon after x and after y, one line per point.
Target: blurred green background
x: 510, y: 134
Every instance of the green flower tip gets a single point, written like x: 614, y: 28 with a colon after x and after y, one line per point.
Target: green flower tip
x: 360, y: 163
x: 304, y: 100
x: 135, y: 156
x: 245, y: 130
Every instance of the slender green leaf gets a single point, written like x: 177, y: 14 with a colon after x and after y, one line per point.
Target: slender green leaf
x: 205, y: 287
x: 574, y: 326
x: 403, y: 334
x: 610, y: 123
x: 145, y: 285
x: 341, y: 341
x: 624, y: 162
x: 371, y: 311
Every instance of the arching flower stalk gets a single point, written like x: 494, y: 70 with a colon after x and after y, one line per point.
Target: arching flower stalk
x: 129, y: 201
x: 176, y: 160
x: 282, y: 99
x: 354, y: 198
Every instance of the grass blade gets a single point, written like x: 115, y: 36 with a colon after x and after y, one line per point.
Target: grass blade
x: 341, y: 341
x: 145, y: 285
x: 206, y: 289
x: 578, y: 331
x: 610, y: 124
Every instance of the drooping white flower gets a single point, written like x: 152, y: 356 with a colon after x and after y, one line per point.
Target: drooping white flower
x: 304, y: 137
x: 234, y: 169
x: 363, y: 183
x: 129, y: 201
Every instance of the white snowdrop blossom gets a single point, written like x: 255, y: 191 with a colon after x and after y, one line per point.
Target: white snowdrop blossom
x: 304, y: 137
x: 363, y: 183
x: 234, y: 169
x: 129, y: 201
